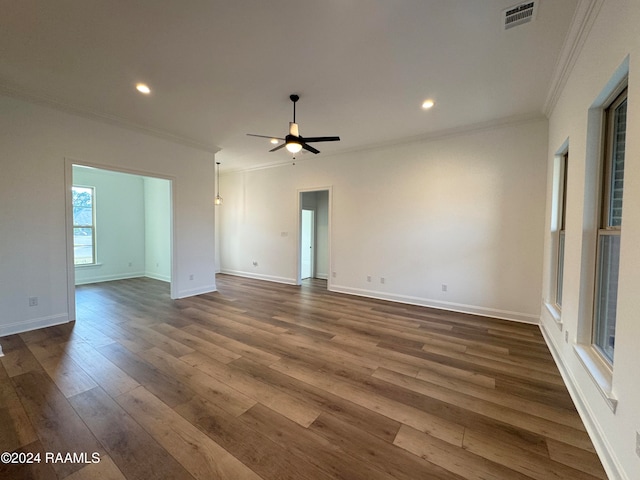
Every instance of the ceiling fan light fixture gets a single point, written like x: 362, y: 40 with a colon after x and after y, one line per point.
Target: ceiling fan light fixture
x: 294, y: 147
x: 143, y: 88
x: 274, y: 141
x: 427, y: 104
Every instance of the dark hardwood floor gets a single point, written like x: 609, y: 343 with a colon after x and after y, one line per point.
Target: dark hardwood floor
x: 269, y: 381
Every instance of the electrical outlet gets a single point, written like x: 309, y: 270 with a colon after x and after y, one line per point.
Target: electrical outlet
x: 566, y: 336
x: 444, y: 287
x: 131, y: 264
x: 638, y: 443
x: 33, y: 301
x: 191, y: 277
x: 381, y: 279
x: 255, y: 263
x: 333, y: 274
x: 368, y: 278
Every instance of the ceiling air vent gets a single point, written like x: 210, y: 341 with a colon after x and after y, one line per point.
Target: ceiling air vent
x: 519, y: 14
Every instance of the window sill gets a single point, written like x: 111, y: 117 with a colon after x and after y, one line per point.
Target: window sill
x: 555, y: 314
x: 599, y: 372
x: 88, y: 265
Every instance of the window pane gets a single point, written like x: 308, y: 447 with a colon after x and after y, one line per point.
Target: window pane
x: 83, y: 246
x: 607, y: 294
x: 617, y: 164
x: 560, y: 275
x: 82, y: 201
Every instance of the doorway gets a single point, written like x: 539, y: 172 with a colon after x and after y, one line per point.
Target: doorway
x: 314, y: 235
x: 307, y: 247
x: 131, y: 224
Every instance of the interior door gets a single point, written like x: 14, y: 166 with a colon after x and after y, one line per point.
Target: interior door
x: 307, y: 248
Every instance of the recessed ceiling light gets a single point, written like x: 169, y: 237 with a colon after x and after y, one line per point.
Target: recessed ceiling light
x: 142, y: 88
x: 427, y: 104
x: 274, y: 140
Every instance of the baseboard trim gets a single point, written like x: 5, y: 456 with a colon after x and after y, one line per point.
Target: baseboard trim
x: 603, y: 449
x: 33, y: 324
x: 109, y: 278
x: 197, y: 291
x: 450, y: 306
x: 258, y: 276
x: 162, y: 278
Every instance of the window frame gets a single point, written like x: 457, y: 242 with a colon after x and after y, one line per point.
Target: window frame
x: 92, y: 227
x: 605, y: 226
x: 561, y: 230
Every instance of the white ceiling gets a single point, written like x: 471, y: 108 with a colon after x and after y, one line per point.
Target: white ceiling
x: 220, y: 69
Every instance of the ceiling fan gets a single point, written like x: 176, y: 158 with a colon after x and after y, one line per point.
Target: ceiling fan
x: 294, y: 142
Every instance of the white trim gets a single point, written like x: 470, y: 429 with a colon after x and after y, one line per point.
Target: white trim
x: 33, y: 324
x: 197, y: 291
x: 603, y: 448
x: 599, y: 373
x: 110, y: 278
x: 1, y: 354
x: 583, y: 19
x: 437, y: 304
x: 106, y: 118
x: 431, y: 136
x: 555, y: 314
x: 162, y: 278
x: 258, y: 276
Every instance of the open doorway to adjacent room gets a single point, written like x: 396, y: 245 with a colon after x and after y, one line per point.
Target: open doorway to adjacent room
x: 314, y: 221
x: 119, y: 226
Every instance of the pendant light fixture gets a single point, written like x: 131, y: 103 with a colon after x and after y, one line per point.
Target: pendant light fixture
x: 218, y: 199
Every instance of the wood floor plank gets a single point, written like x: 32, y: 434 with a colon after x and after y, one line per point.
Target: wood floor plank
x: 196, y: 452
x: 504, y: 453
x: 104, y: 470
x: 136, y: 454
x: 16, y: 429
x: 288, y: 406
x: 65, y: 373
x: 20, y: 361
x: 385, y: 456
x: 405, y: 414
x: 269, y: 381
x: 196, y: 343
x: 313, y: 448
x: 110, y: 378
x: 29, y: 471
x: 362, y: 418
x: 459, y: 461
x: 55, y: 421
x: 168, y: 389
x: 228, y: 398
x: 268, y: 459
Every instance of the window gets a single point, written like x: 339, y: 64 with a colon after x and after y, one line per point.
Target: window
x: 562, y: 205
x: 84, y: 232
x: 609, y: 232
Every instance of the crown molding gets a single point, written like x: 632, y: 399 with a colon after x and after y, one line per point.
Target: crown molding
x: 105, y: 118
x: 583, y: 19
x: 432, y: 136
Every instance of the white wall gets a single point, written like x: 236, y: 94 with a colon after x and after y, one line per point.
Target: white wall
x: 120, y: 232
x: 157, y: 228
x: 465, y: 210
x: 613, y: 37
x: 34, y: 142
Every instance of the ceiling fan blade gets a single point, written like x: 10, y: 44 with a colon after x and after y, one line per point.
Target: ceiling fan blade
x: 320, y: 139
x: 278, y: 147
x: 309, y: 148
x: 264, y: 136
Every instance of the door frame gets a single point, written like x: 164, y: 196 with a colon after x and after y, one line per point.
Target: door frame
x: 328, y: 189
x: 68, y: 181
